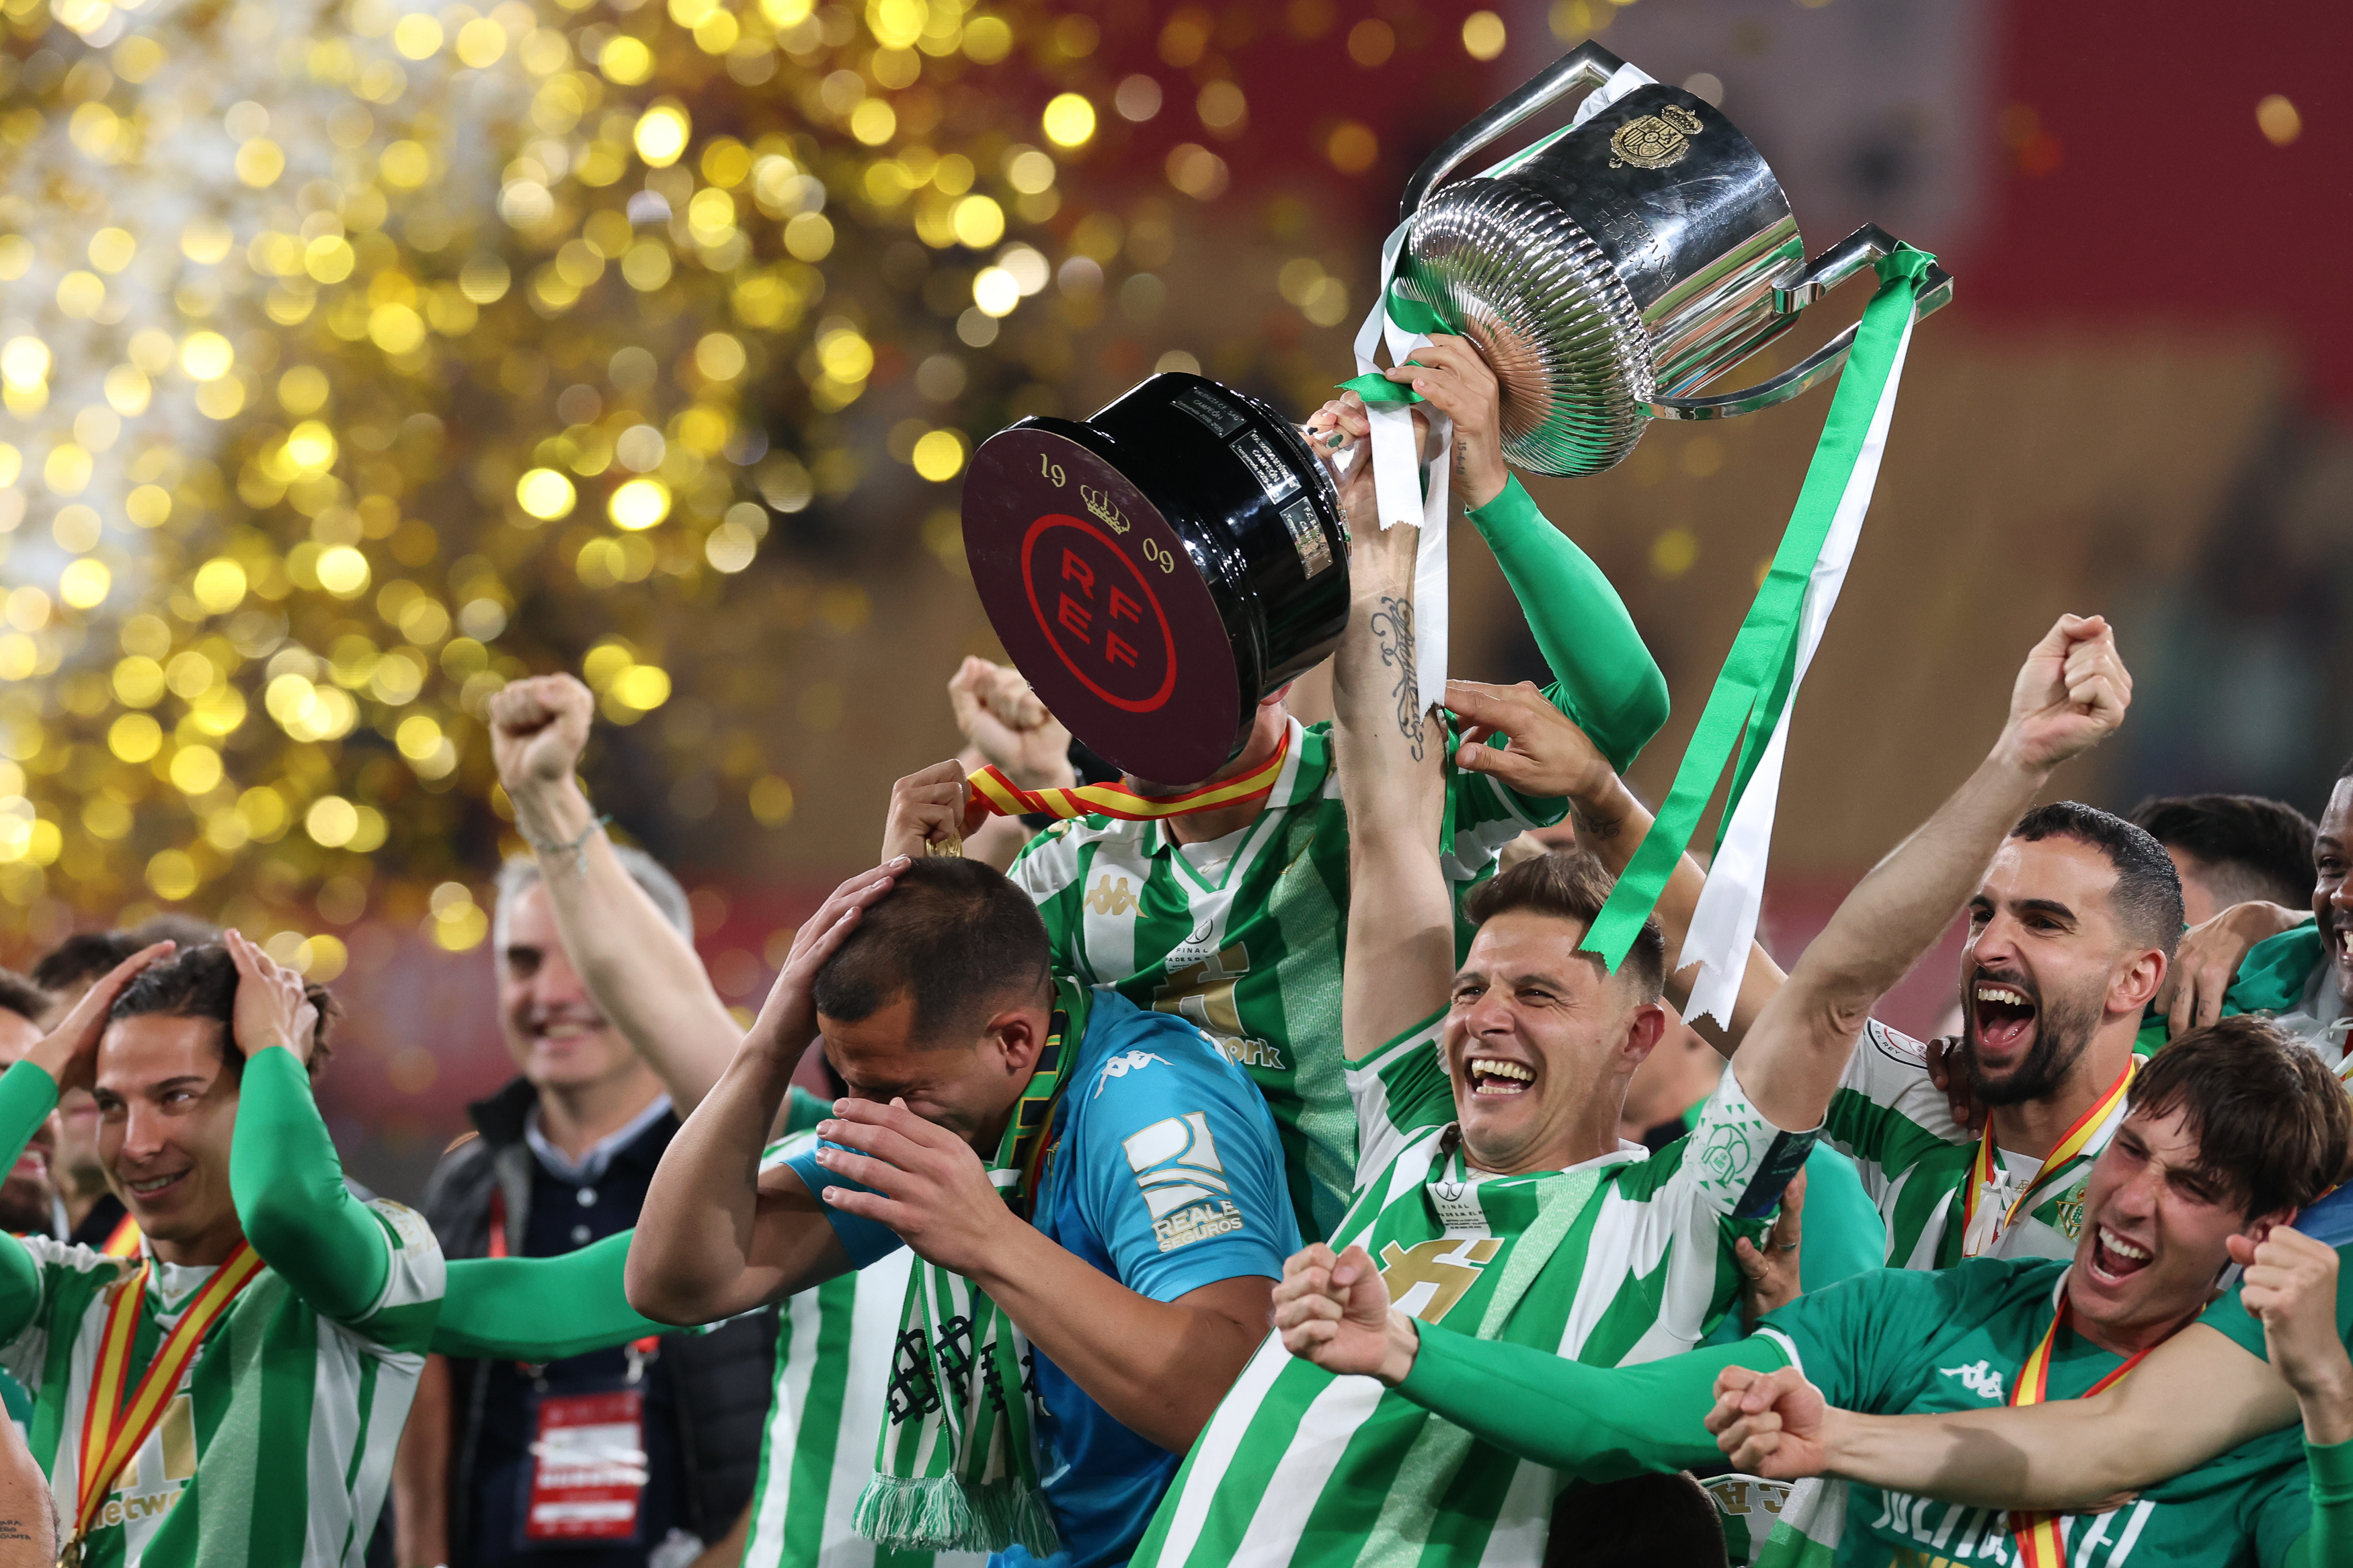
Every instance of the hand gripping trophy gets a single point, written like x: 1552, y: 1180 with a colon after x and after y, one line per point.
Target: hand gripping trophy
x: 1155, y: 569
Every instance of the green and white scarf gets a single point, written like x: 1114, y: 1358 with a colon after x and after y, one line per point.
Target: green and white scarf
x: 957, y: 1468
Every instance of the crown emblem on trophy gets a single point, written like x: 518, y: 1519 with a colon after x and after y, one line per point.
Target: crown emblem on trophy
x: 1099, y: 503
x: 1655, y: 141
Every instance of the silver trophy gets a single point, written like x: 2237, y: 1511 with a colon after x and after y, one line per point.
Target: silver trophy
x: 1622, y: 267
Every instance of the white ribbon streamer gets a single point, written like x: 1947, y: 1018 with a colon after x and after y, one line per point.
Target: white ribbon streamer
x: 1724, y: 923
x: 1405, y: 490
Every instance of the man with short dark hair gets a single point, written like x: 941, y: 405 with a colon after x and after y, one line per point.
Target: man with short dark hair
x: 2230, y: 848
x: 1082, y: 1298
x: 94, y: 1215
x: 2070, y: 934
x: 2228, y: 1133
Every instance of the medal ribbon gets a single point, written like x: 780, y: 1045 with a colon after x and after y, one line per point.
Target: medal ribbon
x: 1004, y: 798
x: 111, y: 1431
x: 2039, y: 1543
x: 1984, y: 1167
x: 122, y: 1241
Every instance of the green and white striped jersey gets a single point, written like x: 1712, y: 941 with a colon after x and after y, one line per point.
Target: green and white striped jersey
x: 1914, y: 1159
x: 1242, y: 936
x: 833, y: 1370
x: 277, y: 1446
x: 1301, y: 1466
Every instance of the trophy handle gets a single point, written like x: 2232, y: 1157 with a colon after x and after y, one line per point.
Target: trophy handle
x: 1794, y: 288
x: 1588, y: 65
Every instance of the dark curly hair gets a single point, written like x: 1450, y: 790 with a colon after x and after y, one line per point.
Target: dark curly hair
x: 201, y: 983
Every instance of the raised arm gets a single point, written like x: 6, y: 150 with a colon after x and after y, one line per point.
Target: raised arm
x: 1400, y: 958
x: 1604, y: 677
x: 283, y: 1171
x: 2070, y: 694
x: 641, y: 973
x: 540, y: 1308
x: 717, y: 1235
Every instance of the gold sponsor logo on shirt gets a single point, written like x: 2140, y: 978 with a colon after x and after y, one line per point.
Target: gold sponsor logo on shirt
x: 1449, y: 1267
x: 1203, y: 995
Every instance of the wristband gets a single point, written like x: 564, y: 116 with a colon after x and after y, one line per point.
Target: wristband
x: 578, y: 849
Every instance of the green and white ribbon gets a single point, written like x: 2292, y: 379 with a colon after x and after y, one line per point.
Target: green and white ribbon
x: 957, y: 1462
x: 1404, y: 491
x: 1756, y: 689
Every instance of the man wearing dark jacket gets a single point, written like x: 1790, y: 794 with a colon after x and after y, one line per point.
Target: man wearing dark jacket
x: 561, y: 1157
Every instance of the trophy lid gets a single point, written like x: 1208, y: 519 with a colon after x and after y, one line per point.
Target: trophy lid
x: 1157, y: 570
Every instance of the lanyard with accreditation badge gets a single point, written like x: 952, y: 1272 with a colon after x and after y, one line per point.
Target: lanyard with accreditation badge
x: 1983, y: 1224
x: 114, y: 1430
x: 588, y: 1467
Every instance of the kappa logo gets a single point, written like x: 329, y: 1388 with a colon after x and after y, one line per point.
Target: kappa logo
x: 1978, y: 1377
x: 1183, y: 1181
x: 1110, y: 898
x: 1120, y: 1066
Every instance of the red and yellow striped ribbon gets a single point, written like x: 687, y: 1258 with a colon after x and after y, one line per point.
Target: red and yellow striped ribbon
x: 113, y: 1431
x: 2070, y: 1144
x: 123, y: 1240
x: 2040, y: 1544
x: 1004, y: 798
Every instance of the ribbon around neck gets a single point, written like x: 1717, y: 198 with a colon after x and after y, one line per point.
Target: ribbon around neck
x: 1768, y: 657
x: 1003, y: 797
x: 1398, y: 487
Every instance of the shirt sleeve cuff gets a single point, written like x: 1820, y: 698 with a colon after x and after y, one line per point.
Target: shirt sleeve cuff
x: 2331, y: 1466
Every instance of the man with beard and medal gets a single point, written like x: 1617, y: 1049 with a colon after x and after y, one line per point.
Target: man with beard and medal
x: 2070, y: 936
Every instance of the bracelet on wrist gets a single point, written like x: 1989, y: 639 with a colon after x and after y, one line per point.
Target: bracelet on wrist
x: 577, y: 847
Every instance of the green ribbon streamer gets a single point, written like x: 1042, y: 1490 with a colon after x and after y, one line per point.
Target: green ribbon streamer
x: 1413, y: 315
x: 1759, y: 673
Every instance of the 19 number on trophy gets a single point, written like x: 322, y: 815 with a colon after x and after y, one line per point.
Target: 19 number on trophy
x: 1052, y: 470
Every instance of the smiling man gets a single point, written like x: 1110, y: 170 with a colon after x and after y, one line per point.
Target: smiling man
x: 562, y: 1160
x: 2227, y: 1133
x: 1494, y: 1199
x: 273, y: 1324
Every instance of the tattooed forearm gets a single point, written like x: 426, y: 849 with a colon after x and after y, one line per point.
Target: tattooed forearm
x: 1593, y: 829
x: 1392, y: 628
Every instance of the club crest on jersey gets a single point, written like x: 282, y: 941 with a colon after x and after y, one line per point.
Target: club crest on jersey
x: 1979, y: 1377
x: 1427, y: 1278
x: 1183, y: 1181
x: 1110, y: 895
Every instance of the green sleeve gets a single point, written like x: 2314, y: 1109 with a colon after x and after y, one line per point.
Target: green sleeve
x: 1594, y: 1422
x: 1605, y: 678
x: 540, y: 1308
x: 2271, y: 977
x: 27, y: 1095
x: 289, y: 1188
x: 804, y: 1111
x: 1842, y: 1233
x: 2328, y: 1542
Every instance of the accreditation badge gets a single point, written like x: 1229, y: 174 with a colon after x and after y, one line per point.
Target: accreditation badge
x: 588, y: 1467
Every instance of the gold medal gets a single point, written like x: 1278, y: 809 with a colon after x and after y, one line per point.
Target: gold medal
x: 71, y: 1556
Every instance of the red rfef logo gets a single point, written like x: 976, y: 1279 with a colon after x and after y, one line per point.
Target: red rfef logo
x: 1103, y: 620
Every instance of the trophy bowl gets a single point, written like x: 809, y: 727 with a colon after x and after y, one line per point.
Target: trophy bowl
x: 1157, y: 569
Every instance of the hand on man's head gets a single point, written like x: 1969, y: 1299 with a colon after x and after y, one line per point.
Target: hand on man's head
x: 787, y: 1020
x: 69, y: 1053
x: 538, y: 727
x: 273, y: 1006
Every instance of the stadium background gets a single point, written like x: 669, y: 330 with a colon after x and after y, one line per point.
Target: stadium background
x: 357, y: 357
